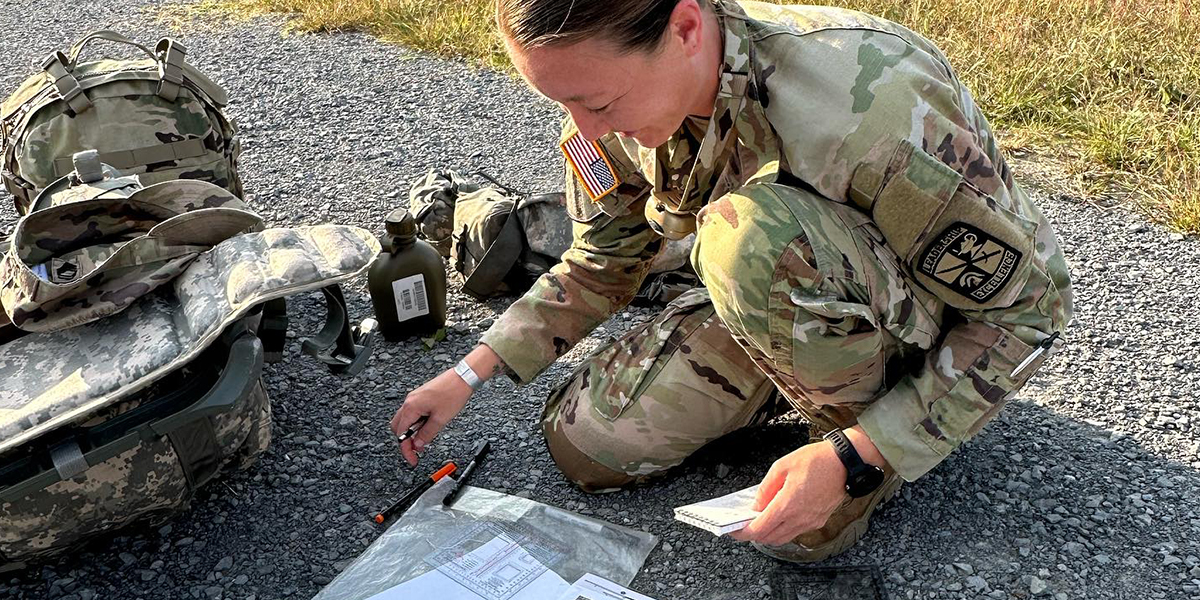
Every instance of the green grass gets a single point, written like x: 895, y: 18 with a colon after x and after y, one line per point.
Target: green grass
x: 1112, y: 86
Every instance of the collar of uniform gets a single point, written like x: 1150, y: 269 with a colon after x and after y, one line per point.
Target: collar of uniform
x: 708, y: 158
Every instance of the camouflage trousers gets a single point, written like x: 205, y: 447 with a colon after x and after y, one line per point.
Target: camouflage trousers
x: 803, y: 301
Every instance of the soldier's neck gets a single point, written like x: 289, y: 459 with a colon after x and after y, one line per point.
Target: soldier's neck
x: 714, y: 58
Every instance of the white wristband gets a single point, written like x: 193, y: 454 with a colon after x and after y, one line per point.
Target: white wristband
x: 463, y: 370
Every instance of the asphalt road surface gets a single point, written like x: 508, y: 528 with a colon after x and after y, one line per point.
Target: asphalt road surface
x: 1085, y: 487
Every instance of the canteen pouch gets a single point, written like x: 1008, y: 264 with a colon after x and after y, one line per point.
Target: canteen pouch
x: 487, y: 241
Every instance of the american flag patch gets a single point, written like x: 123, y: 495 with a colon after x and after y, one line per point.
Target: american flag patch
x: 591, y: 165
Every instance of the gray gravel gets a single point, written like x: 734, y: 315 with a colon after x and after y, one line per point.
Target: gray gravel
x: 1086, y: 487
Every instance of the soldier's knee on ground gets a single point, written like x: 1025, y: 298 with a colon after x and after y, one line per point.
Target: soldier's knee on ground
x: 589, y: 475
x: 575, y: 464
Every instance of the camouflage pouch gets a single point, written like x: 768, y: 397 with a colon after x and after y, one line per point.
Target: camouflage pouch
x: 78, y: 262
x: 500, y: 240
x: 431, y: 202
x: 90, y: 180
x: 156, y: 117
x: 487, y: 241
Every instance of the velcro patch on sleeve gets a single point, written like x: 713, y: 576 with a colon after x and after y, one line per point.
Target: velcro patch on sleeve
x: 591, y: 165
x: 967, y: 260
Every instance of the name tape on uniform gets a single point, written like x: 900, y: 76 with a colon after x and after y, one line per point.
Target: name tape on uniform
x: 591, y: 166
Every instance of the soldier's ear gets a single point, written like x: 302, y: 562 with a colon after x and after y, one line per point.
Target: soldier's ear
x: 686, y: 27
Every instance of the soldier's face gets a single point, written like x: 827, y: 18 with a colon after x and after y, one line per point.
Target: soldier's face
x: 644, y: 95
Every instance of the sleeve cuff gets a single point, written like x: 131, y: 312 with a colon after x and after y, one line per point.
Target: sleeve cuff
x: 515, y: 355
x: 900, y: 438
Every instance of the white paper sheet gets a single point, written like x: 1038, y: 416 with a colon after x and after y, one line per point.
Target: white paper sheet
x: 497, y: 570
x: 592, y: 587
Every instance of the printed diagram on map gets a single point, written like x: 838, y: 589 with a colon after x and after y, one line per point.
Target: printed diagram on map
x: 500, y: 568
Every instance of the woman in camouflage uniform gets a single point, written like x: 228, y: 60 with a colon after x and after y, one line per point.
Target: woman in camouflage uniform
x: 866, y: 253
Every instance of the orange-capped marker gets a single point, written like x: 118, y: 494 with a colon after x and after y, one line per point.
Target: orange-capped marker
x: 412, y: 494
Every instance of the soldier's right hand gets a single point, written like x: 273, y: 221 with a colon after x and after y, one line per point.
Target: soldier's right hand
x: 439, y: 399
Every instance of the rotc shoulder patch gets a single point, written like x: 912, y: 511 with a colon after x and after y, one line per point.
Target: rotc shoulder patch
x: 969, y: 261
x: 591, y: 165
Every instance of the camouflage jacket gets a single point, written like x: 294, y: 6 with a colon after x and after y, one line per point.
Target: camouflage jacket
x: 864, y: 112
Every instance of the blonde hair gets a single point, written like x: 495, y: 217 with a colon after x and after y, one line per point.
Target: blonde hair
x: 631, y: 24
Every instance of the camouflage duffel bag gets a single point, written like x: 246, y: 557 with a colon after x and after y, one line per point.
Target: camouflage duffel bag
x: 157, y: 117
x: 141, y: 459
x: 123, y: 417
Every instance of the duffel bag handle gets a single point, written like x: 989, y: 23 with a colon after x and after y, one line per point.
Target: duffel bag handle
x: 108, y: 36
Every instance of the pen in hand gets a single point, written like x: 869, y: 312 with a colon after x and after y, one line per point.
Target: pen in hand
x: 412, y: 430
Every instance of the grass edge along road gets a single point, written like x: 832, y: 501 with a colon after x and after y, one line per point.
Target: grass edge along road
x: 1110, y: 87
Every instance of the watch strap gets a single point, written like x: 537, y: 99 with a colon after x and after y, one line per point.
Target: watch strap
x: 856, y: 468
x: 468, y: 375
x: 845, y: 450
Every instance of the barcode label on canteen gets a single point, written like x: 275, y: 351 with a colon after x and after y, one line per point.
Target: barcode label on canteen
x: 410, y: 297
x: 419, y: 294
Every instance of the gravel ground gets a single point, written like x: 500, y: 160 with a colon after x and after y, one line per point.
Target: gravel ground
x: 1086, y: 487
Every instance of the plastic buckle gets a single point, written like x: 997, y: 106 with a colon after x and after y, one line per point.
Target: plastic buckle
x: 51, y: 60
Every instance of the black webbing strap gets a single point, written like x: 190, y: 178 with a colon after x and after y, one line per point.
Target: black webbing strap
x: 498, y: 259
x: 273, y: 329
x: 198, y: 450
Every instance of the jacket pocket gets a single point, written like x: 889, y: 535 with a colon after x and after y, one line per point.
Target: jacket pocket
x: 837, y: 349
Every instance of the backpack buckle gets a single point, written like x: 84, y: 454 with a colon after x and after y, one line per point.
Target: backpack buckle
x: 171, y: 56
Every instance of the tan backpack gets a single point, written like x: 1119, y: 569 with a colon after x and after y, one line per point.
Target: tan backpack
x: 156, y: 117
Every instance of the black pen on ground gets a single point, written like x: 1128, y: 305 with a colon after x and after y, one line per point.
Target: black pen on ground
x: 480, y: 451
x: 412, y: 494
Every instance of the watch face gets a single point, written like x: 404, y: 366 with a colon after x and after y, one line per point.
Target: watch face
x: 865, y: 481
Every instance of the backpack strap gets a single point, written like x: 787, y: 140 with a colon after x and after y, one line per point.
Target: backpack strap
x: 58, y: 68
x: 15, y: 185
x: 499, y: 258
x: 273, y: 329
x: 171, y: 57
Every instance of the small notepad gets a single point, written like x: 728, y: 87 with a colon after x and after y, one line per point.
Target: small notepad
x: 720, y: 516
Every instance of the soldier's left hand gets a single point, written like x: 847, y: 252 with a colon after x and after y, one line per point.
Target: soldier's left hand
x: 798, y: 495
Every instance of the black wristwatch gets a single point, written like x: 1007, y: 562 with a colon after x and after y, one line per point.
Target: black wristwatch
x: 861, y: 478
